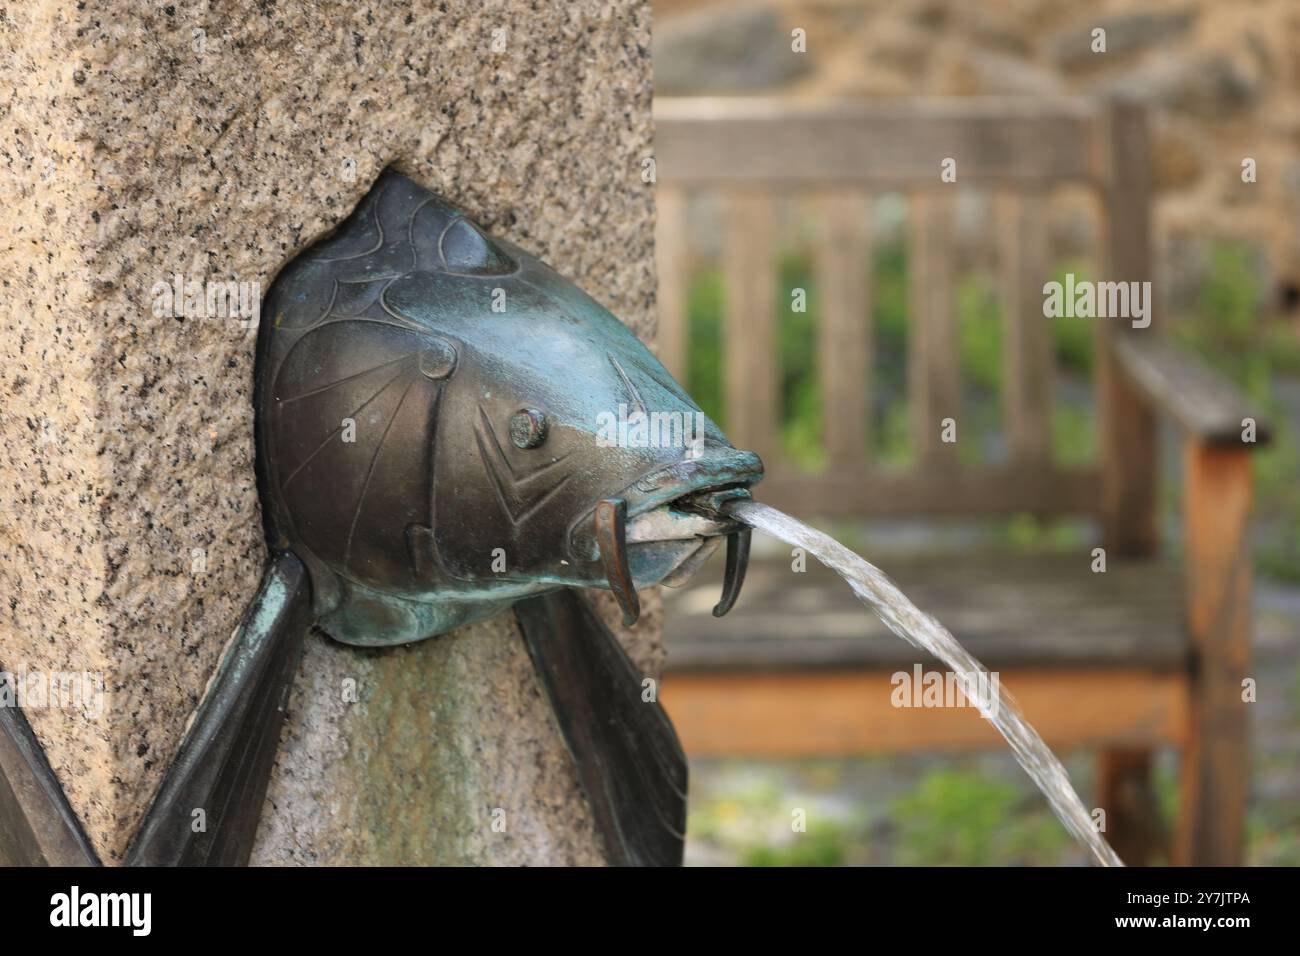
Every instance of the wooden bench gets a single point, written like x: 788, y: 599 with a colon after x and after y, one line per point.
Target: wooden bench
x: 1145, y: 655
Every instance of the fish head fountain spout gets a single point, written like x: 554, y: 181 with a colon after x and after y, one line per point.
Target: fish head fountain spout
x: 445, y: 426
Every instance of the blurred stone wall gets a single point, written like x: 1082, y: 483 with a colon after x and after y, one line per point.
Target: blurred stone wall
x: 1222, y: 79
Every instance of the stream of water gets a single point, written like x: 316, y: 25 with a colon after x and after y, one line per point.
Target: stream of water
x: 920, y: 630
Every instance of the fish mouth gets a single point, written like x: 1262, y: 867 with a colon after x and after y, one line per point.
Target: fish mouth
x: 676, y: 511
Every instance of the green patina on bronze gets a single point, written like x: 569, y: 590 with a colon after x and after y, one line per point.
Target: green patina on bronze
x: 430, y: 410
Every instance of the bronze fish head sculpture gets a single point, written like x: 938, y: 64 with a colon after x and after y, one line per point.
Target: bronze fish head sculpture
x: 446, y: 426
x: 446, y: 429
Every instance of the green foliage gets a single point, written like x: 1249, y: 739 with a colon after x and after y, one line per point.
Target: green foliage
x: 979, y: 343
x: 1073, y: 424
x: 1072, y: 338
x: 825, y: 844
x: 1025, y: 532
x: 801, y: 411
x: 754, y: 824
x: 715, y: 819
x: 1272, y: 842
x: 891, y: 437
x: 889, y: 272
x: 1230, y: 331
x: 979, y: 332
x: 1280, y: 557
x: 964, y: 819
x: 893, y: 445
x: 1229, y: 298
x: 1073, y: 435
x: 704, y: 353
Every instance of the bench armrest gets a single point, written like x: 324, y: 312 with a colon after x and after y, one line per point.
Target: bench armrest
x: 1217, y: 497
x: 1180, y: 384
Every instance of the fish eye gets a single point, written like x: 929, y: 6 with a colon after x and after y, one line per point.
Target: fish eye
x: 528, y: 428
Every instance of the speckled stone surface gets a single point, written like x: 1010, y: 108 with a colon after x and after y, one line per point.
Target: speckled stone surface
x: 133, y: 148
x: 443, y: 752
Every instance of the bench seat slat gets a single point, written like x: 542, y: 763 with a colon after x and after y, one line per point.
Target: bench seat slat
x: 1008, y: 610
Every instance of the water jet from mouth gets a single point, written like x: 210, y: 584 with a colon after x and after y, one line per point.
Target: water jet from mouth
x: 920, y: 630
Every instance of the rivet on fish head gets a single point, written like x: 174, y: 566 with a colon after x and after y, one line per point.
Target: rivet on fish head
x: 527, y: 428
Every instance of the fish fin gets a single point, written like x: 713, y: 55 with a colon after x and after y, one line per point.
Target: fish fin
x: 626, y: 753
x: 224, y: 763
x: 38, y: 827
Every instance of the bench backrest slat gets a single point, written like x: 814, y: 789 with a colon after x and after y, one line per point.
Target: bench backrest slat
x: 1027, y: 363
x: 843, y: 248
x: 750, y: 386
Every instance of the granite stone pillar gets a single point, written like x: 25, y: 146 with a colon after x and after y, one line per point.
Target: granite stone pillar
x: 144, y: 141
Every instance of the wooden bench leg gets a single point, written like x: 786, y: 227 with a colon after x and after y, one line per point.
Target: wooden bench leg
x: 1216, y: 762
x: 1134, y: 826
